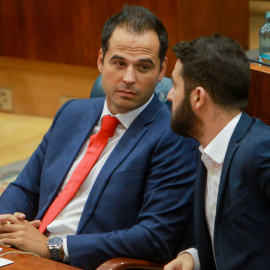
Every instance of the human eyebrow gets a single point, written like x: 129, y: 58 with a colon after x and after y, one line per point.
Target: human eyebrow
x: 117, y: 57
x: 146, y: 60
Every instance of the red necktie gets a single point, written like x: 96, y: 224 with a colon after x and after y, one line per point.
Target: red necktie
x: 95, y: 147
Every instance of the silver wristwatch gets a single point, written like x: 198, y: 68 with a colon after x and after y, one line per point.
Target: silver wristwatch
x: 54, y: 245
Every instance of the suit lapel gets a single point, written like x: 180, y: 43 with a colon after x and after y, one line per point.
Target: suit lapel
x: 85, y: 126
x: 238, y: 134
x: 126, y: 144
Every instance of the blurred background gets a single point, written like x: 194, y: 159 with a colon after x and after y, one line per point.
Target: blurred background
x: 49, y: 48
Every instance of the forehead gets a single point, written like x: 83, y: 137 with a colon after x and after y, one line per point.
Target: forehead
x: 177, y: 72
x: 145, y: 44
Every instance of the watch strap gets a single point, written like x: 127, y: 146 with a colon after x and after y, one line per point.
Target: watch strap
x: 55, y: 254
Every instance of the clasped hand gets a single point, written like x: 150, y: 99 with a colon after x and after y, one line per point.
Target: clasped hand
x: 22, y: 234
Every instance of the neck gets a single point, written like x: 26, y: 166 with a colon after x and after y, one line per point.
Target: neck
x: 214, y: 124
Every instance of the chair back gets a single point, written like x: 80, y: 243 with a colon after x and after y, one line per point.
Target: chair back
x: 161, y: 90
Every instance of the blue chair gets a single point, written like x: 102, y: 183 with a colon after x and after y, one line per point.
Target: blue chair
x: 161, y: 90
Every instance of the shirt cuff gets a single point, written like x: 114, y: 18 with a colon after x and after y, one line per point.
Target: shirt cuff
x: 66, y: 257
x: 194, y: 253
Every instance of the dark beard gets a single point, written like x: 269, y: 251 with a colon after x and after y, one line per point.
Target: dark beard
x: 185, y: 122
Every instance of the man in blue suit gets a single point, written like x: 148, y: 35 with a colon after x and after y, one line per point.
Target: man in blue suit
x: 139, y: 194
x: 232, y: 190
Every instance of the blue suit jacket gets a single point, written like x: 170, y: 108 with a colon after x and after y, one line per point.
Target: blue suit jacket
x: 141, y: 198
x: 242, y: 225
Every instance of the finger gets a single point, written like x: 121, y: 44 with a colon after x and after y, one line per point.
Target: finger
x: 7, y: 235
x: 172, y: 266
x: 13, y: 219
x: 7, y: 239
x: 9, y: 227
x: 19, y: 215
x: 3, y: 220
x: 35, y: 223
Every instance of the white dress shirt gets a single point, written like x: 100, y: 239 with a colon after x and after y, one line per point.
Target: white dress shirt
x: 213, y: 157
x: 67, y: 221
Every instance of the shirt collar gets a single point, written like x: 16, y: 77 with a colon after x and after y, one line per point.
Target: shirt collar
x: 217, y: 148
x: 126, y: 119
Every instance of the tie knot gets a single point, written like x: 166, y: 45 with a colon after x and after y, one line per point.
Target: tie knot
x: 109, y: 124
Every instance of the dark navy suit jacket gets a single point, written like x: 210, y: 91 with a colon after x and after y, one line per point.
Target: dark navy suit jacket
x: 242, y: 225
x: 140, y: 201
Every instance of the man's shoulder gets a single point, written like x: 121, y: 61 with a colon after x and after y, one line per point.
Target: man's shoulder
x: 249, y: 128
x: 259, y: 130
x: 257, y: 136
x: 73, y: 110
x: 156, y: 116
x: 78, y: 106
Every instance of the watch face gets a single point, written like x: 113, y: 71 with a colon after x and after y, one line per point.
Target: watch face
x: 55, y: 241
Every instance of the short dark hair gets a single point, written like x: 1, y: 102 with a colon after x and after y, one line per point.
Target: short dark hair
x: 219, y: 65
x: 139, y: 20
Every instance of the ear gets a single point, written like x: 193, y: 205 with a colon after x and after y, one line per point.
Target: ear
x: 163, y: 69
x: 100, y: 61
x: 198, y: 98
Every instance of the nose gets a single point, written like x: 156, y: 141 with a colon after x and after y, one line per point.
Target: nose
x: 129, y: 76
x: 170, y: 94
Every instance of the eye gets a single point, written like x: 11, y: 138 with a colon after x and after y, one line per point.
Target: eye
x: 118, y: 64
x: 144, y: 68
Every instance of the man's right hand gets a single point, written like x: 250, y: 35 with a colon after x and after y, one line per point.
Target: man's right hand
x: 183, y: 262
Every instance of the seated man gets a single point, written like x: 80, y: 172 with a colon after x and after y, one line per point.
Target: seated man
x: 232, y: 192
x: 132, y: 199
